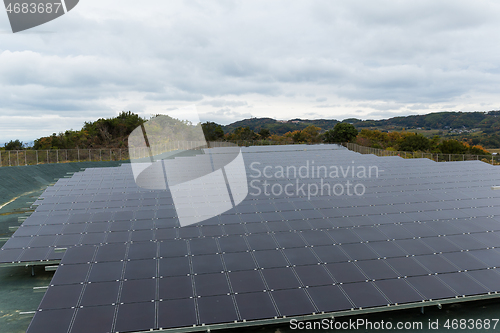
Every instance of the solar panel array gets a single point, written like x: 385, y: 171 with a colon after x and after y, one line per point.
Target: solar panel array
x: 421, y: 231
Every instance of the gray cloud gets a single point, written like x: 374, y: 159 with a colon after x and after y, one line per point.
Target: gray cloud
x: 224, y: 116
x: 387, y: 55
x: 218, y: 103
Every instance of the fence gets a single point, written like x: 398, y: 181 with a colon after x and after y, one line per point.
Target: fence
x: 34, y: 157
x: 491, y: 159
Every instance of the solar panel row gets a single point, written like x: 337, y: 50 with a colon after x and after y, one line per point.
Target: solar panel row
x: 421, y: 231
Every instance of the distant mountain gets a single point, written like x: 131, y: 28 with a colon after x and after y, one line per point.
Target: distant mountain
x: 439, y: 120
x: 488, y: 122
x: 475, y: 127
x: 279, y: 127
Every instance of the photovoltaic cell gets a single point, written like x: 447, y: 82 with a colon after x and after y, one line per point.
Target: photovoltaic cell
x: 209, y: 309
x: 211, y: 284
x: 364, y: 294
x: 239, y: 261
x: 329, y: 298
x: 293, y: 302
x: 346, y: 272
x: 280, y: 278
x: 176, y: 313
x: 94, y: 319
x: 398, y: 291
x: 101, y: 293
x: 256, y: 305
x: 135, y: 317
x: 431, y: 287
x: 313, y: 275
x: 175, y: 287
x: 246, y: 281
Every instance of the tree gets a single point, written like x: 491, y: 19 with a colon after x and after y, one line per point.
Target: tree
x: 243, y: 133
x: 311, y: 134
x: 342, y: 132
x: 14, y: 145
x: 212, y: 131
x: 298, y: 136
x: 109, y: 133
x: 264, y: 133
x: 452, y: 147
x: 414, y: 142
x: 478, y: 150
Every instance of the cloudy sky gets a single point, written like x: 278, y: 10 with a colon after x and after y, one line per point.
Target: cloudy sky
x: 237, y: 59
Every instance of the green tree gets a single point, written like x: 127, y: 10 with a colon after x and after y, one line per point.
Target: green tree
x: 111, y: 132
x: 415, y: 142
x: 212, y: 131
x: 14, y: 145
x: 311, y: 134
x: 264, y: 133
x: 452, y: 147
x: 342, y: 132
x: 298, y: 136
x: 243, y: 133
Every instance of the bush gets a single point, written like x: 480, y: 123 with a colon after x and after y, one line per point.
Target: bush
x: 415, y: 142
x: 342, y: 132
x: 14, y: 145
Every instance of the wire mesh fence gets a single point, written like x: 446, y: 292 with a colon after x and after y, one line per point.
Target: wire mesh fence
x: 437, y: 157
x: 34, y: 157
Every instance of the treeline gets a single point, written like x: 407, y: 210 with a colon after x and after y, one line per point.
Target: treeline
x: 341, y: 132
x: 103, y: 133
x: 114, y: 132
x: 278, y: 127
x: 476, y: 128
x: 407, y: 141
x: 346, y: 132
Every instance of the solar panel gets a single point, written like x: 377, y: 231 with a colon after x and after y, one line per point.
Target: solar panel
x: 415, y: 235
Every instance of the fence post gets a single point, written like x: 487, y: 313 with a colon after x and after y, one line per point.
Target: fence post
x: 67, y: 155
x: 36, y: 151
x: 9, y: 158
x: 26, y: 158
x: 120, y: 154
x: 47, y: 157
x: 57, y: 156
x: 78, y: 150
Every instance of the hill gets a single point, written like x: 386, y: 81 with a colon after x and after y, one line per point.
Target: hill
x: 279, y: 127
x: 475, y: 127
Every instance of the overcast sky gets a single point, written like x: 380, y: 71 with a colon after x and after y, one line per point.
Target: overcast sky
x: 236, y: 59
